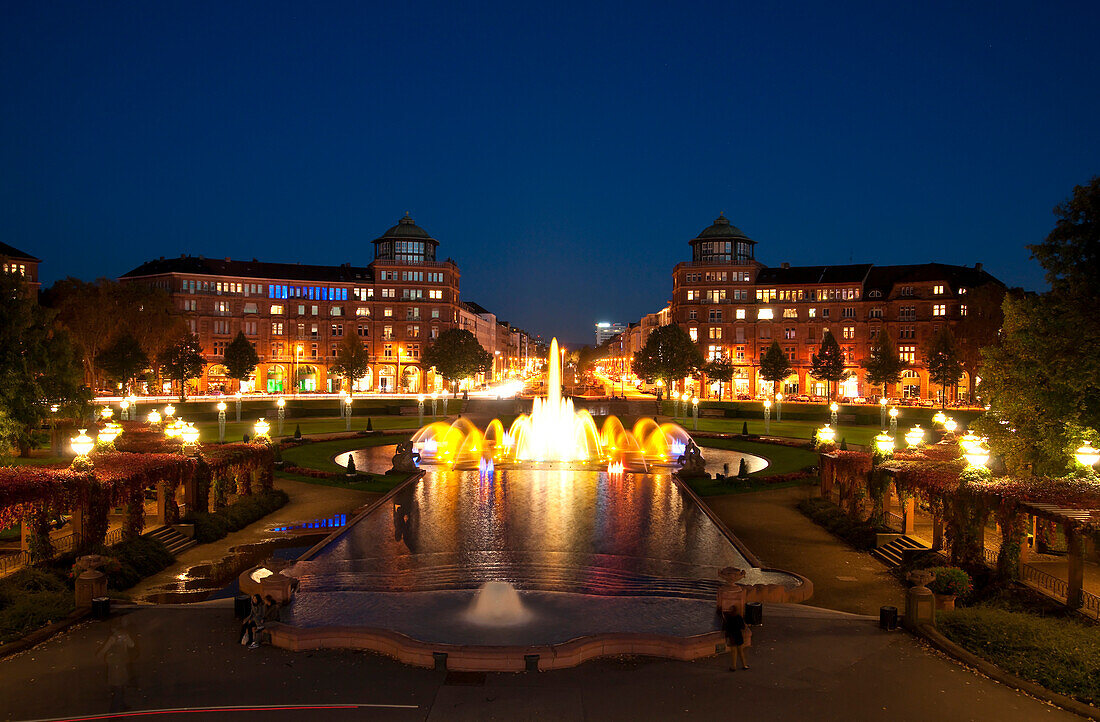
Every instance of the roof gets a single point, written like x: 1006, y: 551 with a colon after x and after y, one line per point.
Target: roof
x: 252, y: 269
x: 852, y: 273
x: 721, y: 228
x: 12, y: 252
x: 884, y: 278
x: 478, y: 308
x: 406, y: 228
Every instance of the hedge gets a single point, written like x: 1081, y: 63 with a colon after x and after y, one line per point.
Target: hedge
x: 236, y: 516
x: 859, y: 534
x: 31, y: 598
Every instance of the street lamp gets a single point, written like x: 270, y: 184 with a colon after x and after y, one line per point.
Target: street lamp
x: 109, y: 433
x: 343, y: 395
x: 237, y: 397
x: 188, y: 435
x: 281, y: 403
x: 133, y: 405
x: 125, y: 406
x: 154, y: 417
x: 261, y: 428
x: 939, y: 417
x: 169, y: 411
x: 882, y: 412
x: 82, y: 444
x: 695, y: 413
x: 221, y: 422
x: 977, y: 456
x: 833, y: 408
x: 826, y: 434
x: 779, y: 406
x: 893, y: 420
x: 420, y: 409
x: 347, y: 413
x: 435, y: 398
x: 914, y: 436
x: 1086, y: 455
x: 970, y: 441
x: 767, y: 416
x: 885, y: 444
x: 949, y: 425
x: 107, y: 413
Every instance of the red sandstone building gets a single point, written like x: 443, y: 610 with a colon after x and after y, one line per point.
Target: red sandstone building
x: 734, y: 307
x: 18, y: 263
x: 296, y: 315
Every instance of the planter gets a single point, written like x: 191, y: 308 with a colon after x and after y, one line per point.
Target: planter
x: 945, y: 602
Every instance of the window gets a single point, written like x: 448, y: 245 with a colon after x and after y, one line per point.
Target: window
x: 788, y: 333
x: 387, y: 313
x: 414, y: 294
x: 740, y: 314
x: 906, y: 291
x: 389, y: 293
x: 907, y: 353
x: 874, y: 313
x: 412, y: 351
x: 790, y: 313
x: 874, y: 294
x: 848, y: 312
x: 435, y: 277
x: 739, y: 353
x: 316, y: 311
x: 337, y: 330
x: 277, y: 309
x: 848, y: 332
x: 812, y: 313
x: 313, y: 350
x: 387, y: 350
x: 693, y: 277
x: 413, y: 312
x: 740, y: 294
x: 692, y: 295
x: 190, y: 304
x: 765, y: 331
x: 313, y: 330
x: 962, y: 291
x: 824, y: 313
x: 937, y: 290
x: 434, y: 333
x: 765, y: 295
x: 362, y: 311
x: 715, y: 332
x: 939, y: 309
x: 362, y: 330
x: 221, y: 308
x: 277, y: 349
x: 694, y: 333
x: 715, y: 315
x: 387, y: 333
x: 219, y: 348
x: 713, y: 276
x: 693, y: 314
x: 435, y: 294
x: 716, y: 295
x: 435, y: 313
x: 412, y: 332
x: 764, y: 314
x: 336, y: 311
x: 907, y: 332
x: 790, y: 351
x: 251, y: 308
x: 907, y: 313
x: 221, y: 327
x: 962, y: 309
x: 301, y: 310
x: 250, y: 328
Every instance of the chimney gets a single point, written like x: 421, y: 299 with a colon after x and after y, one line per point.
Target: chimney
x: 784, y: 265
x: 977, y: 266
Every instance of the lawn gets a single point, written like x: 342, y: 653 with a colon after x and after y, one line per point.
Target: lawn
x: 861, y: 435
x: 234, y: 431
x: 1062, y: 654
x: 782, y: 460
x: 319, y: 456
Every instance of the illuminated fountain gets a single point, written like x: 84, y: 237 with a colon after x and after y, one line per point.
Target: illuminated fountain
x: 553, y: 432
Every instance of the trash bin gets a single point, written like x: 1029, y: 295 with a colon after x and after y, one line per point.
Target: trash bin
x: 242, y: 606
x: 754, y: 613
x: 888, y: 618
x: 101, y: 607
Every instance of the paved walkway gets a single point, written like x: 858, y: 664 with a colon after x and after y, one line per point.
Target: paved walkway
x: 806, y: 664
x: 781, y: 536
x: 307, y: 502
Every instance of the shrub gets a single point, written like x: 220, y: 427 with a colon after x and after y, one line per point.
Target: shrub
x: 297, y: 431
x: 351, y: 465
x: 236, y: 516
x: 30, y: 598
x: 859, y: 534
x: 137, y: 558
x: 950, y: 581
x: 370, y: 426
x: 742, y: 469
x: 745, y: 428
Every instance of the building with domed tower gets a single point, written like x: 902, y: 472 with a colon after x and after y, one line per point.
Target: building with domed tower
x: 734, y: 307
x: 296, y: 315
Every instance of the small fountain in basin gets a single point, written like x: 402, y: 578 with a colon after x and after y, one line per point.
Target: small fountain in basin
x: 497, y: 604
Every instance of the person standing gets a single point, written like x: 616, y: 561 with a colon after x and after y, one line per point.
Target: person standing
x: 733, y: 625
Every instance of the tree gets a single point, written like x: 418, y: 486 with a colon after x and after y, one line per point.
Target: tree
x: 240, y: 359
x: 352, y: 360
x: 153, y: 318
x: 883, y: 365
x: 183, y: 361
x: 37, y: 366
x: 720, y: 370
x: 828, y: 363
x: 775, y: 366
x: 457, y: 355
x: 123, y: 360
x: 669, y: 354
x: 941, y: 358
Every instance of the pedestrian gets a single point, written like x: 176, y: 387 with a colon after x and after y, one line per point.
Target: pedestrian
x: 256, y: 620
x: 733, y: 625
x: 116, y: 654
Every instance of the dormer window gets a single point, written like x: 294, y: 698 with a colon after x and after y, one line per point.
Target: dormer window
x: 875, y: 294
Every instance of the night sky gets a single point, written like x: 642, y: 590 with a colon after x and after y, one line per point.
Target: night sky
x: 563, y: 155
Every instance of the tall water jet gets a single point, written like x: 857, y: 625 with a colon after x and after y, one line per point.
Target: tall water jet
x: 497, y: 604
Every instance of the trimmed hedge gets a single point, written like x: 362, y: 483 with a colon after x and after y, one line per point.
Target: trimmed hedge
x: 31, y: 598
x: 137, y: 558
x: 824, y: 513
x: 236, y: 516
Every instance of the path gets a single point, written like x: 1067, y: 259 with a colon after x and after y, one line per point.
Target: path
x: 806, y: 664
x: 781, y: 536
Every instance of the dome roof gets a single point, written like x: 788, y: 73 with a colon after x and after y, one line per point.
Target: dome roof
x: 721, y: 228
x: 406, y: 228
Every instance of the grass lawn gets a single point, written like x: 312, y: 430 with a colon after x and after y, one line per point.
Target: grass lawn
x: 319, y: 456
x: 1062, y: 654
x: 861, y: 435
x: 376, y: 483
x: 783, y: 460
x: 208, y: 430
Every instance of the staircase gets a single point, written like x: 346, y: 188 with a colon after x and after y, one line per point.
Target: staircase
x: 893, y: 553
x: 171, y: 539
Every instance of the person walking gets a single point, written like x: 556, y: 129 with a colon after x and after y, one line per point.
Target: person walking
x: 733, y: 625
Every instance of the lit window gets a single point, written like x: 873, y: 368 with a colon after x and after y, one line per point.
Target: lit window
x: 907, y: 353
x: 694, y: 333
x: 939, y: 309
x: 362, y: 311
x: 937, y: 290
x: 813, y: 313
x: 790, y: 313
x: 387, y: 313
x: 740, y: 314
x: 715, y: 332
x: 962, y: 309
x: 277, y: 310
x: 764, y: 313
x: 849, y: 332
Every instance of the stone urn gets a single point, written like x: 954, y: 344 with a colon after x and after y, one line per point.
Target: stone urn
x: 919, y: 600
x: 945, y: 602
x: 731, y: 595
x: 90, y: 581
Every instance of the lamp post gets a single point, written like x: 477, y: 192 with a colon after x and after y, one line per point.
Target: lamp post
x: 435, y: 399
x: 779, y: 406
x: 82, y: 444
x: 695, y: 413
x: 767, y: 416
x: 420, y: 409
x: 347, y: 413
x: 188, y: 435
x: 826, y: 434
x: 882, y: 414
x: 221, y: 422
x: 133, y: 406
x: 914, y: 436
x: 893, y: 421
x: 261, y: 428
x: 884, y: 443
x: 169, y: 411
x: 343, y: 395
x: 154, y: 417
x: 833, y: 408
x: 281, y: 403
x: 237, y: 396
x: 977, y: 456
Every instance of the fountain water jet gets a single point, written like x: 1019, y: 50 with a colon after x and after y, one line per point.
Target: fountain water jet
x: 497, y: 604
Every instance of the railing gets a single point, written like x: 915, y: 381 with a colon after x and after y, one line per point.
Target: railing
x: 1041, y: 579
x: 991, y: 556
x: 1090, y: 604
x: 13, y: 561
x: 895, y: 520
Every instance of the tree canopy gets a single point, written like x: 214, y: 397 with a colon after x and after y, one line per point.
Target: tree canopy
x: 941, y: 358
x: 775, y: 366
x: 240, y: 358
x: 352, y: 360
x: 720, y: 370
x: 123, y: 360
x: 669, y: 354
x: 457, y: 355
x: 828, y: 363
x: 883, y: 364
x: 183, y: 361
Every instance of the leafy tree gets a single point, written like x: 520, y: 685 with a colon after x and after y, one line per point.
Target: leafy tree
x: 720, y: 370
x: 669, y: 354
x: 408, y: 375
x: 828, y: 363
x: 457, y: 355
x: 352, y: 360
x: 883, y: 365
x: 240, y: 358
x: 941, y: 357
x: 37, y: 367
x: 775, y: 366
x: 123, y: 360
x: 183, y: 361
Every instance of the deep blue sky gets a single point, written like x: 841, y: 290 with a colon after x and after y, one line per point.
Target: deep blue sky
x: 563, y: 155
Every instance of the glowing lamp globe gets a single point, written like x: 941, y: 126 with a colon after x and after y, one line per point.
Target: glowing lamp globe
x: 950, y: 425
x: 884, y: 443
x: 55, y: 408
x: 420, y: 398
x: 125, y: 404
x: 435, y: 395
x: 827, y: 434
x: 109, y: 433
x: 169, y: 410
x: 343, y: 392
x: 833, y: 406
x: 154, y: 417
x: 132, y: 399
x: 107, y: 412
x: 221, y: 406
x: 261, y: 428
x: 977, y: 456
x: 970, y: 441
x: 82, y: 443
x: 695, y: 400
x: 779, y: 397
x: 882, y: 401
x: 281, y: 402
x: 767, y: 403
x: 1086, y: 455
x: 348, y: 401
x: 939, y: 417
x: 189, y: 434
x: 237, y: 395
x: 894, y: 412
x: 914, y: 437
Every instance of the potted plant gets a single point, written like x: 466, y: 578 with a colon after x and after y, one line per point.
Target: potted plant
x: 948, y: 584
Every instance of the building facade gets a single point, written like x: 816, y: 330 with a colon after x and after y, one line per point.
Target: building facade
x: 297, y: 315
x: 734, y: 307
x: 17, y: 263
x: 606, y: 331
